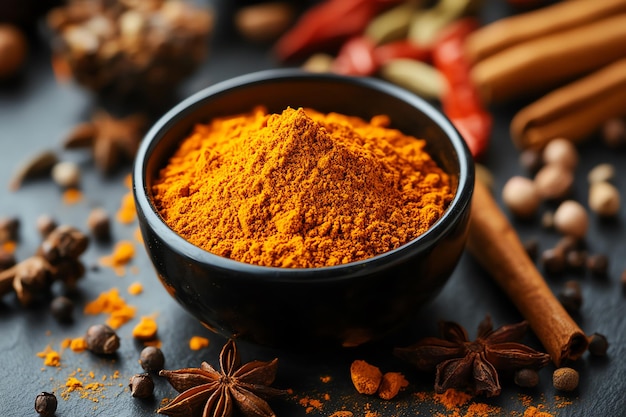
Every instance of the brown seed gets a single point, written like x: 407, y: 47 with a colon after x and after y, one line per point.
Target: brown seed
x: 604, y: 199
x: 7, y: 259
x: 565, y: 379
x: 530, y: 160
x: 561, y: 151
x: 598, y: 265
x: 99, y: 223
x: 151, y: 359
x: 554, y: 182
x: 38, y: 165
x: 62, y: 309
x: 9, y: 229
x: 601, y: 172
x: 571, y: 218
x: 141, y: 385
x: 614, y: 133
x: 571, y: 296
x: 598, y: 344
x: 45, y: 225
x: 520, y: 196
x: 576, y: 260
x: 553, y: 261
x: 532, y: 248
x: 13, y: 50
x: 102, y: 339
x: 526, y: 378
x: 46, y: 404
x: 264, y: 22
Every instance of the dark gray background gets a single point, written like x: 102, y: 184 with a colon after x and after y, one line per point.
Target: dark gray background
x: 36, y: 113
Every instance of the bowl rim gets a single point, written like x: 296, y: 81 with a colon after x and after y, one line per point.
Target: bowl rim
x: 443, y: 225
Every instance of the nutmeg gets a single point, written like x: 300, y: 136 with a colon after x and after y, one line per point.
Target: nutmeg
x: 13, y: 50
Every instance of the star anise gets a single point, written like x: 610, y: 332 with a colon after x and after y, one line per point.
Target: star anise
x: 208, y: 392
x: 112, y: 140
x: 473, y: 366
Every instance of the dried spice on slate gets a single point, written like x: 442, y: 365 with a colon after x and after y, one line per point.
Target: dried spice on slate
x: 120, y: 49
x: 208, y: 392
x: 112, y: 140
x: 473, y: 366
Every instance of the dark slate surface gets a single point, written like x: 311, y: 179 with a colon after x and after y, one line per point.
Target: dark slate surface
x: 35, y: 113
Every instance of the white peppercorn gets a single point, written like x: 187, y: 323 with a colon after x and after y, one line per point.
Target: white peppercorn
x: 554, y: 182
x: 601, y: 172
x: 604, y: 199
x: 66, y: 174
x: 520, y: 196
x: 561, y: 151
x: 570, y: 218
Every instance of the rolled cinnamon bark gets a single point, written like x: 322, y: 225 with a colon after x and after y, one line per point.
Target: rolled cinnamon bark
x: 497, y: 247
x: 513, y: 30
x: 574, y: 111
x: 547, y: 62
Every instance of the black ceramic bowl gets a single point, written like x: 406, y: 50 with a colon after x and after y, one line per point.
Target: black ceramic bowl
x: 340, y: 305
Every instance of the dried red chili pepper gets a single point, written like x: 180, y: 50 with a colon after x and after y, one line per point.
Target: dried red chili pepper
x: 326, y: 26
x: 402, y: 49
x: 356, y: 57
x: 462, y: 103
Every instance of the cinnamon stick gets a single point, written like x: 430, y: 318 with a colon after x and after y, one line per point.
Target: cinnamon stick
x: 517, y: 29
x: 574, y: 111
x: 547, y: 62
x: 497, y: 247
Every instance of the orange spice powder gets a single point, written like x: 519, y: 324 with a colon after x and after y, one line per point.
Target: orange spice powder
x: 365, y: 377
x: 452, y: 398
x: 135, y: 288
x: 533, y: 411
x: 50, y: 356
x: 198, y: 342
x: 391, y: 384
x: 111, y: 303
x: 72, y: 196
x: 127, y: 213
x: 146, y: 329
x: 123, y: 253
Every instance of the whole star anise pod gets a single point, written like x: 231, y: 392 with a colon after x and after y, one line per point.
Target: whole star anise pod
x: 473, y: 366
x: 208, y: 392
x: 111, y: 139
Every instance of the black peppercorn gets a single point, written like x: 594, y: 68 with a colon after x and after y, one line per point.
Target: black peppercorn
x: 532, y: 248
x: 553, y: 260
x: 598, y: 345
x: 102, y: 339
x: 151, y: 359
x: 571, y: 296
x: 62, y: 308
x: 526, y: 378
x: 598, y: 265
x: 45, y: 225
x: 99, y: 224
x: 46, y: 404
x: 141, y: 385
x: 576, y: 260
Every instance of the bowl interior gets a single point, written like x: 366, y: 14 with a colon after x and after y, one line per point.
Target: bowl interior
x: 278, y: 89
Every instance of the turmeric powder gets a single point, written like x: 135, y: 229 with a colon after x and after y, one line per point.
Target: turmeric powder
x: 300, y: 189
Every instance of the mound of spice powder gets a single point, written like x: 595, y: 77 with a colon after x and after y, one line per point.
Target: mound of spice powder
x: 300, y: 189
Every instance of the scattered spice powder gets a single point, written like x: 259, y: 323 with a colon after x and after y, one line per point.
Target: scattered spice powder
x: 391, y: 384
x: 123, y: 253
x: 342, y: 413
x: 72, y: 196
x: 311, y: 404
x: 138, y: 236
x: 198, y: 342
x: 9, y: 246
x: 78, y: 344
x: 50, y: 356
x: 452, y: 398
x: 365, y: 377
x: 533, y: 411
x: 127, y: 213
x: 135, y: 288
x: 326, y: 379
x: 146, y: 329
x: 111, y: 303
